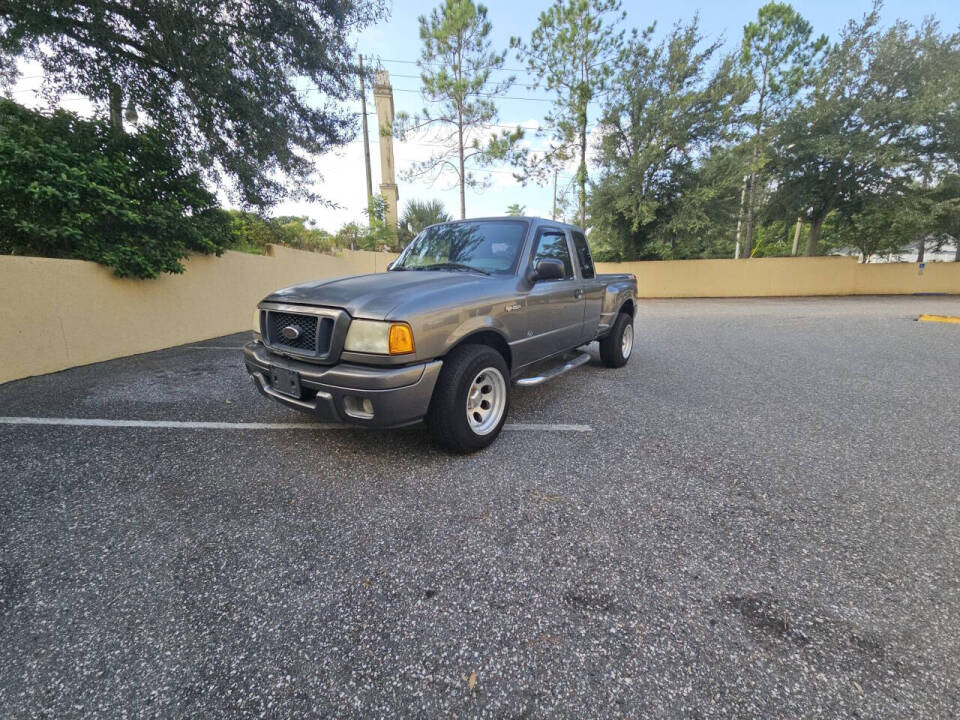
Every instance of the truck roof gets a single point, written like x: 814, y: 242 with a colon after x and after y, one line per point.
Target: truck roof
x: 532, y: 219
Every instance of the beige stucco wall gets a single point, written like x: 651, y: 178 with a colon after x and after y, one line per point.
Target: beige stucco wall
x: 56, y: 314
x: 759, y: 277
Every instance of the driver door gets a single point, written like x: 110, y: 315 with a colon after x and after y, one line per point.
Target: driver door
x: 554, y: 307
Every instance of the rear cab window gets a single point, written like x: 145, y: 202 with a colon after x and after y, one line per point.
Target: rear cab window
x: 584, y: 256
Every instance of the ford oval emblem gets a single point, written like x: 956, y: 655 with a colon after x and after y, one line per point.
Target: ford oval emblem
x: 290, y: 332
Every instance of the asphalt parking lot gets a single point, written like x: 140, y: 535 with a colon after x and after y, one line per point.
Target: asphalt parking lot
x: 759, y: 516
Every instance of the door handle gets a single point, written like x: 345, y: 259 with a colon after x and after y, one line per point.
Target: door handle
x: 577, y: 294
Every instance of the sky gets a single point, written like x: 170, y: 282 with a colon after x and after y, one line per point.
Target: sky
x: 395, y: 45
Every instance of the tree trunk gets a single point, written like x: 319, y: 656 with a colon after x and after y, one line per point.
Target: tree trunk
x: 554, y: 216
x: 116, y: 108
x: 921, y: 249
x: 956, y: 255
x: 582, y: 171
x: 582, y: 176
x: 460, y: 100
x: 751, y: 195
x: 813, y: 239
x: 463, y: 178
x: 748, y: 235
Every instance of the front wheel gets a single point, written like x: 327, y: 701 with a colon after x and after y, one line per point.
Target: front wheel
x: 470, y: 400
x: 615, y: 348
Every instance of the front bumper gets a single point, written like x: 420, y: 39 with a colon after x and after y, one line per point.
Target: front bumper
x: 400, y: 395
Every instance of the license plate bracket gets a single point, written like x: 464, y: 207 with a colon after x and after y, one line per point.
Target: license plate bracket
x: 285, y: 381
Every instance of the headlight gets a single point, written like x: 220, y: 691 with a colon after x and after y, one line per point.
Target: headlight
x: 382, y: 338
x: 255, y: 325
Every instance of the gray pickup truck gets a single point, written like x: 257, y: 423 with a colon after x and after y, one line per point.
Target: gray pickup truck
x: 468, y: 309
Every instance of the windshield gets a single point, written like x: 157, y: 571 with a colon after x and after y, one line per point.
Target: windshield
x: 489, y: 247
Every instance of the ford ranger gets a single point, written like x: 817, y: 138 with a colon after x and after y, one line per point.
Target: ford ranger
x: 468, y: 309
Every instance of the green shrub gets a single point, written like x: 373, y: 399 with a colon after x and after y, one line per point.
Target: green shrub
x: 69, y: 188
x: 254, y: 232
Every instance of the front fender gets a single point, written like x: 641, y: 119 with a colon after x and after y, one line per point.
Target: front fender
x: 474, y: 325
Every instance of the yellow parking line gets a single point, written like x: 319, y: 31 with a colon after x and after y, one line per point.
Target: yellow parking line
x: 940, y: 319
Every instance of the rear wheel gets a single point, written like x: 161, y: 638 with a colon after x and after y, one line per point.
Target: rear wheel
x: 470, y: 400
x: 616, y: 348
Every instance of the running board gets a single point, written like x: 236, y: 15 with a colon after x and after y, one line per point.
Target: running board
x: 581, y: 359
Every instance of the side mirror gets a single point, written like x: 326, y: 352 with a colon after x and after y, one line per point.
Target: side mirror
x: 547, y: 270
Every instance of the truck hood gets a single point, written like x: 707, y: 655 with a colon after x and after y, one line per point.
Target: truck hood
x: 373, y: 296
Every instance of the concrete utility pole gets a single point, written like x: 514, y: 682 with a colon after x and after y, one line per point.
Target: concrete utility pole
x: 383, y: 98
x: 366, y: 134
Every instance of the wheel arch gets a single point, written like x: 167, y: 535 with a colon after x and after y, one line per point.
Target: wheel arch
x: 491, y: 338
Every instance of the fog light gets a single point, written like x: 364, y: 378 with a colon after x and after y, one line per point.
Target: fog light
x: 358, y: 407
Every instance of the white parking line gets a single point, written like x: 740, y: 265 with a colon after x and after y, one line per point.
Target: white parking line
x: 189, y: 425
x: 211, y: 347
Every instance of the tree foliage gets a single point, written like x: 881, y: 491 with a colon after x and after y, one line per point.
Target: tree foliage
x: 71, y: 188
x: 457, y: 62
x: 778, y: 57
x: 420, y: 214
x: 572, y: 53
x: 221, y: 80
x: 860, y: 141
x: 657, y: 196
x: 255, y: 232
x: 877, y: 119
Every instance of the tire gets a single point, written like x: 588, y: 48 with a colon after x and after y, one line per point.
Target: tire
x: 617, y: 347
x: 471, y: 399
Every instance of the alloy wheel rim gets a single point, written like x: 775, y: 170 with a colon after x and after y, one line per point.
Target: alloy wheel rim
x: 486, y: 401
x: 626, y: 343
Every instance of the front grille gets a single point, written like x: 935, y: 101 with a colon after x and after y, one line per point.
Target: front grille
x: 309, y: 341
x: 321, y: 331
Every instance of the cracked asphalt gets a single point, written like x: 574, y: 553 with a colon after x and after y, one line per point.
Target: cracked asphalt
x: 763, y: 522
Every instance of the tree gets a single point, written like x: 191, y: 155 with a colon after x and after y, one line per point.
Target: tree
x: 457, y: 63
x: 352, y: 236
x: 667, y: 183
x: 418, y: 215
x: 571, y: 53
x: 879, y: 116
x: 379, y: 236
x: 222, y: 80
x: 516, y: 209
x: 777, y: 56
x: 69, y: 188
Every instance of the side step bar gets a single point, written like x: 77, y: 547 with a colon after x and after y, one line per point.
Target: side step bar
x: 581, y: 359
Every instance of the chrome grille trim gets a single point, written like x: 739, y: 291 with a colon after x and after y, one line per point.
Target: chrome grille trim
x: 329, y: 325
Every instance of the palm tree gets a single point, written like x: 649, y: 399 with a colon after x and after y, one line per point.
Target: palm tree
x: 419, y: 214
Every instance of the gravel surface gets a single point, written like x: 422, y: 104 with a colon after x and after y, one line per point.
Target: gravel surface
x: 763, y: 522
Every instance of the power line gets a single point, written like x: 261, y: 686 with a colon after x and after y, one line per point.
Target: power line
x: 493, y: 95
x: 416, y: 62
x: 525, y: 86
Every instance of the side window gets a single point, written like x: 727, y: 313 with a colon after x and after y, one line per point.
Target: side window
x: 553, y: 246
x: 583, y: 255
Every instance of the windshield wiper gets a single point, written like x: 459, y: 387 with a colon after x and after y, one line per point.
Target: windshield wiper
x: 450, y: 266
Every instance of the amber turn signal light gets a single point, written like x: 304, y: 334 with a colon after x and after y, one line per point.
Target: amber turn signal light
x: 401, y: 339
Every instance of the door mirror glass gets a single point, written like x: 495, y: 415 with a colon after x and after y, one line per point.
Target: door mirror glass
x: 548, y: 270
